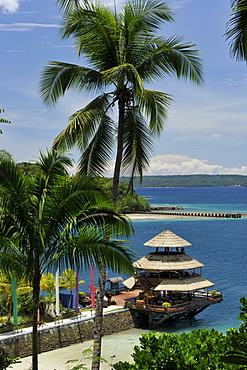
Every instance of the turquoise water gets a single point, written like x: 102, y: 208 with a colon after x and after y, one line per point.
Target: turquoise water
x: 199, y: 199
x: 221, y: 244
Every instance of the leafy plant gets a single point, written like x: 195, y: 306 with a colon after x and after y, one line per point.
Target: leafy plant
x: 166, y: 304
x: 5, y: 360
x: 199, y: 350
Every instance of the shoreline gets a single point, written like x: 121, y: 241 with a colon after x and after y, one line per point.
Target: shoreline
x: 155, y: 216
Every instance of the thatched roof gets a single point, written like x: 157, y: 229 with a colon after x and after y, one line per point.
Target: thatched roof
x: 130, y: 282
x: 115, y: 280
x: 167, y: 239
x: 155, y: 262
x: 184, y: 285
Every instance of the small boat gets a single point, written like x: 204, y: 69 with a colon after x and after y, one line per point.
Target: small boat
x: 170, y: 282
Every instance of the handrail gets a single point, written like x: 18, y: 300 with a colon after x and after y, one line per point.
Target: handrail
x: 180, y: 306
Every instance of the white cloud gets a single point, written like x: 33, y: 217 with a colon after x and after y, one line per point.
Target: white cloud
x: 25, y: 26
x: 181, y: 165
x: 170, y: 164
x: 10, y: 5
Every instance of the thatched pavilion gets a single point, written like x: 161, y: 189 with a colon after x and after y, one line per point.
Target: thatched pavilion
x: 171, y: 281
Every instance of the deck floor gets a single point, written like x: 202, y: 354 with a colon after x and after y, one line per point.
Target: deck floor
x: 124, y: 296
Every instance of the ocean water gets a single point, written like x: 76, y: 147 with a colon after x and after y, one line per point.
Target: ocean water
x: 221, y: 244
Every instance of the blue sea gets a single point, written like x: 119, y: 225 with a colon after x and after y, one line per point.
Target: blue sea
x: 221, y: 244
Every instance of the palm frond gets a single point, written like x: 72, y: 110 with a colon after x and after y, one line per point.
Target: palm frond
x: 69, y: 5
x: 155, y: 105
x: 84, y: 124
x: 171, y: 57
x: 95, y: 32
x: 99, y: 151
x: 91, y: 246
x: 58, y: 77
x: 122, y: 73
x: 138, y: 143
x: 236, y: 32
x: 146, y: 16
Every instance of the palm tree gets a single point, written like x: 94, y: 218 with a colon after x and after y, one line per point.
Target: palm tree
x: 97, y: 245
x: 68, y: 281
x: 123, y: 52
x: 237, y: 30
x: 38, y: 212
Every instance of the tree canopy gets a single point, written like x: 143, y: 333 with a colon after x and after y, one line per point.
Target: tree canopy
x: 123, y: 52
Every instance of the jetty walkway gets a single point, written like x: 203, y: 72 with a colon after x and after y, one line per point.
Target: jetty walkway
x: 193, y: 214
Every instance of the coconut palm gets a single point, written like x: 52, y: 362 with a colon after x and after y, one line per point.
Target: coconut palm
x: 36, y: 211
x: 124, y: 52
x: 68, y: 281
x: 97, y: 245
x: 237, y: 30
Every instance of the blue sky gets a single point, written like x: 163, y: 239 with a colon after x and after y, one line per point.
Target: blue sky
x: 206, y: 131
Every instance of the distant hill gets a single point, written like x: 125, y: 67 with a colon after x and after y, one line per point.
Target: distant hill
x: 184, y: 181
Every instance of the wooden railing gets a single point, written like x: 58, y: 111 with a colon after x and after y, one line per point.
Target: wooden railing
x: 200, y: 299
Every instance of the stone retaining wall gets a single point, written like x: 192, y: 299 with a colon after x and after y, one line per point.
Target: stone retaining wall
x: 64, y: 335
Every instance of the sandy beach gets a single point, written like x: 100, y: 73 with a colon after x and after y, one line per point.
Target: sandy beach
x: 156, y: 216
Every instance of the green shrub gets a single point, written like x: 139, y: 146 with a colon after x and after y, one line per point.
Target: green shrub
x: 199, y: 350
x: 5, y: 360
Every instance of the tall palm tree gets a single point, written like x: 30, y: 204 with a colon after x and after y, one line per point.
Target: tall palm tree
x: 124, y: 52
x: 97, y: 245
x: 38, y: 212
x: 237, y: 30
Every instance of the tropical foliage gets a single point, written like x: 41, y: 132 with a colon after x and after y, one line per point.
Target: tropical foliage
x: 237, y: 30
x: 124, y: 51
x: 199, y: 350
x: 68, y: 281
x: 40, y: 216
x: 48, y: 282
x: 127, y: 202
x: 176, y: 181
x: 5, y: 360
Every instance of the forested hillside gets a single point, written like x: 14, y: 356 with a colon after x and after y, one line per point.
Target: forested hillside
x: 190, y: 181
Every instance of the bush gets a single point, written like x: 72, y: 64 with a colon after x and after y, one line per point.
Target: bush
x: 199, y: 350
x: 5, y: 360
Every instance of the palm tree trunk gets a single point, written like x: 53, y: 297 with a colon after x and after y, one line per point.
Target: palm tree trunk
x: 121, y: 110
x: 36, y: 291
x: 98, y: 321
x: 70, y: 299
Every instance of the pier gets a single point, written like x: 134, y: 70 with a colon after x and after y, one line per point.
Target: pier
x: 195, y: 214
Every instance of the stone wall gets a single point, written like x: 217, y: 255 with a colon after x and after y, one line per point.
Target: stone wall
x: 63, y: 335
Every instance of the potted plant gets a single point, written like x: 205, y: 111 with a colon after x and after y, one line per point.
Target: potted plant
x: 166, y: 306
x: 214, y: 293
